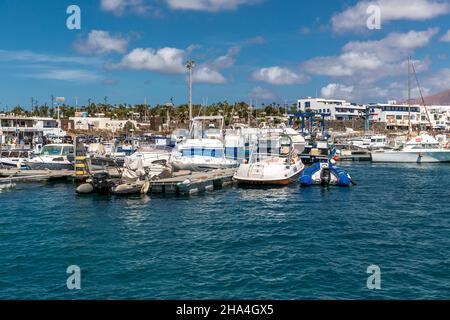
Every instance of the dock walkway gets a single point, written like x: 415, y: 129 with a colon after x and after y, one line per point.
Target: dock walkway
x: 194, y: 183
x: 17, y: 175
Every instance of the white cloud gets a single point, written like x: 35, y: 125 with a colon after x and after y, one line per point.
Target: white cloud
x: 377, y: 70
x: 100, y: 42
x: 337, y: 91
x: 373, y: 60
x: 165, y: 60
x: 205, y: 74
x: 209, y: 71
x: 227, y: 60
x: 355, y: 17
x: 208, y: 5
x: 119, y: 7
x: 65, y: 75
x: 278, y: 76
x: 438, y: 81
x: 262, y: 94
x: 446, y: 37
x: 36, y: 58
x: 259, y: 40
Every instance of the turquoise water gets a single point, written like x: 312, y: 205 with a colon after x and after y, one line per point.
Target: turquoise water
x: 282, y: 243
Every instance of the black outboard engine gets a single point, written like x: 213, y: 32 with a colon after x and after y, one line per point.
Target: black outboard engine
x: 325, y: 177
x: 102, y: 183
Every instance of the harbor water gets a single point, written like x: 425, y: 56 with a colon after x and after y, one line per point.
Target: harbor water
x: 235, y: 243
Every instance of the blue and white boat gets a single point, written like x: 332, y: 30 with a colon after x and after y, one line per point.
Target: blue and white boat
x: 326, y: 174
x: 204, y: 150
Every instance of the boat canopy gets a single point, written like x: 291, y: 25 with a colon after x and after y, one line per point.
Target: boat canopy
x: 423, y: 139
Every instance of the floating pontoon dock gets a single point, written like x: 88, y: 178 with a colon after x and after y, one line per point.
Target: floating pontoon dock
x: 17, y: 175
x: 194, y: 183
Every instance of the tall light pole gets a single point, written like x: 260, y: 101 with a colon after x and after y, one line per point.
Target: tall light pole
x: 190, y: 65
x: 168, y: 106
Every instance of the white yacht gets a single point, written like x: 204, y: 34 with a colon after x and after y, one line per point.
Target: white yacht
x: 201, y: 155
x: 274, y: 161
x: 204, y: 150
x: 52, y: 157
x: 422, y: 149
x: 14, y: 158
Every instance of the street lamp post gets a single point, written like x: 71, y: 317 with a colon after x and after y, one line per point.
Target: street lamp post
x: 190, y: 65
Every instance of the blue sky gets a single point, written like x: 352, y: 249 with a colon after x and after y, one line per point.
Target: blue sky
x: 260, y: 50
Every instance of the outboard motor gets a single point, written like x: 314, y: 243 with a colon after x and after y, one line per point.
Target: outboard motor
x: 102, y: 183
x: 325, y: 177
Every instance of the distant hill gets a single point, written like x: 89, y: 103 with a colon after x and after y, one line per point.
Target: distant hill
x: 441, y: 98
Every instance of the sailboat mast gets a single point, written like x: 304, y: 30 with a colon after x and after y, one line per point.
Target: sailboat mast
x: 409, y: 95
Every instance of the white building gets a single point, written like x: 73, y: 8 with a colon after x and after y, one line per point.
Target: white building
x: 335, y: 109
x: 100, y: 123
x: 22, y: 127
x: 439, y: 116
x: 396, y: 116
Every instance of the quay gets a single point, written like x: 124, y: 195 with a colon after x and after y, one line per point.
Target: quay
x: 182, y: 183
x: 17, y: 175
x: 193, y: 183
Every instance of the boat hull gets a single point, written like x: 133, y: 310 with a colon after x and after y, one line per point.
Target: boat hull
x: 280, y: 182
x: 412, y: 157
x: 201, y: 164
x: 264, y: 174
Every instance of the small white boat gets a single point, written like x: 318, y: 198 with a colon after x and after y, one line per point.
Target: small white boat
x: 422, y: 149
x: 280, y: 166
x: 52, y: 157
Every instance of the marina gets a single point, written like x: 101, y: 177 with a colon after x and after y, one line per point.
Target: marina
x: 208, y: 153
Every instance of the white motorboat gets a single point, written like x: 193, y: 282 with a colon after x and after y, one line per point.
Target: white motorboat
x: 422, y: 149
x: 275, y: 162
x: 14, y: 158
x: 201, y: 155
x: 205, y: 149
x: 52, y: 157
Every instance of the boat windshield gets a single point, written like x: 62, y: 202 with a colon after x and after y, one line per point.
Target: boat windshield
x: 51, y: 151
x: 426, y: 146
x: 205, y: 152
x: 268, y: 158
